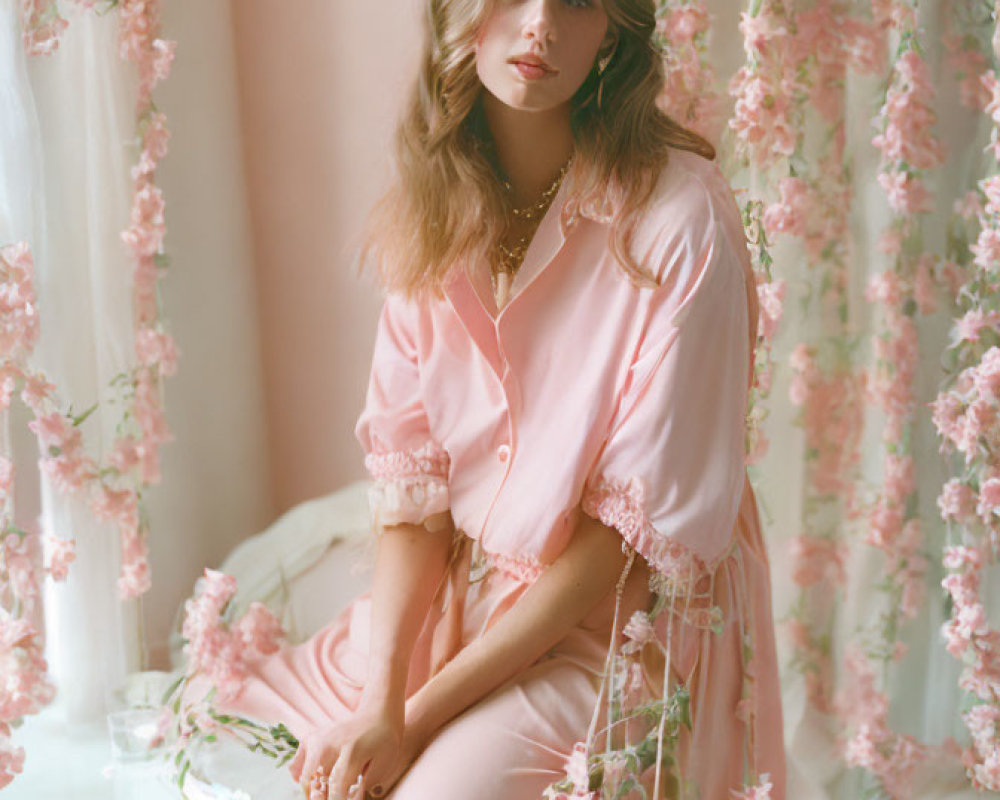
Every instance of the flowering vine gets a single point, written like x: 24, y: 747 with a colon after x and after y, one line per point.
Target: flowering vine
x: 689, y: 95
x: 112, y: 488
x: 966, y: 414
x: 891, y: 524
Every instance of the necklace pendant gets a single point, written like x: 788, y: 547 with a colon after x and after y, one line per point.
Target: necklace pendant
x: 502, y: 289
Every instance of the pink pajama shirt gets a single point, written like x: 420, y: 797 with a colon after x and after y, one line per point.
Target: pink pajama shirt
x: 587, y: 395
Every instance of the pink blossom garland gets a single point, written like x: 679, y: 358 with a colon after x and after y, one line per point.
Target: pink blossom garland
x: 767, y: 89
x: 689, y: 93
x: 113, y: 490
x: 26, y: 688
x: 908, y: 150
x: 813, y: 206
x: 966, y: 414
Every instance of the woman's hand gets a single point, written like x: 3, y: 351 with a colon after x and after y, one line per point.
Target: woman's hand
x: 412, y: 745
x: 366, y: 744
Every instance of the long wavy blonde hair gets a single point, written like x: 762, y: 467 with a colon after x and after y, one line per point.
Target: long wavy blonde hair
x: 448, y: 206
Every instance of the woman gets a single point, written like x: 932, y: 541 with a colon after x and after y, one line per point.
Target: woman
x: 555, y: 431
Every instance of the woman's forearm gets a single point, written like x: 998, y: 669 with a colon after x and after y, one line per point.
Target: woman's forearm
x: 566, y: 592
x: 410, y: 564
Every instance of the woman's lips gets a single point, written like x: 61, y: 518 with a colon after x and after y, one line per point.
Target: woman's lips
x: 530, y: 71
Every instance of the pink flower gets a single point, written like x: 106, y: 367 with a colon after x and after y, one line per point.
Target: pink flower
x: 639, y: 631
x: 885, y: 287
x: 67, y: 473
x: 957, y: 501
x: 886, y: 523
x: 906, y: 193
x: 122, y: 506
x: 37, y: 390
x: 62, y: 552
x: 967, y: 327
x: 963, y: 587
x: 947, y: 413
x: 147, y: 410
x: 163, y: 56
x: 685, y: 23
x: 578, y: 771
x: 865, y: 45
x: 987, y: 249
x: 960, y: 556
x: 758, y: 30
x: 125, y: 454
x: 134, y: 579
x: 216, y: 587
x: 11, y: 761
x: 770, y: 296
x: 260, y: 629
x: 55, y: 430
x: 156, y: 349
x: 145, y: 235
x: 790, y: 213
x: 986, y: 377
x: 989, y: 499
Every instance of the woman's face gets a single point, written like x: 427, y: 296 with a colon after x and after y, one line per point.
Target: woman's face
x: 564, y: 34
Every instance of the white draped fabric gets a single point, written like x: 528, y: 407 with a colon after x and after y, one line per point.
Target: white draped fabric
x: 66, y: 190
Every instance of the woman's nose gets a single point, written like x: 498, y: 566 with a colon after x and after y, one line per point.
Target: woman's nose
x: 538, y: 20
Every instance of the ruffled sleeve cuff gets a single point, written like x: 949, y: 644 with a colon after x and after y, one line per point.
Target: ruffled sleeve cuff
x: 620, y: 505
x: 409, y: 486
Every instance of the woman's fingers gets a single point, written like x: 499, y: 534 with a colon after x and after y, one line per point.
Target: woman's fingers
x: 346, y: 773
x: 379, y: 768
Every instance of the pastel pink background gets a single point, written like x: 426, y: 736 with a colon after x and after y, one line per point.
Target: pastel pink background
x: 281, y: 122
x: 319, y: 91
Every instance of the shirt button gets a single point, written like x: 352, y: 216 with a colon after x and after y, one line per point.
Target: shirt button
x: 503, y: 452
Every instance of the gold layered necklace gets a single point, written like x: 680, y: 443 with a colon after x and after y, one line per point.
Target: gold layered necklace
x: 509, y: 259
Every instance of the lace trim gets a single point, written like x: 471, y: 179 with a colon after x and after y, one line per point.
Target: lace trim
x: 428, y: 459
x: 412, y: 500
x: 620, y: 505
x: 526, y: 569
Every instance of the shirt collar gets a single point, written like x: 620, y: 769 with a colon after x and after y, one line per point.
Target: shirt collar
x: 548, y: 240
x: 471, y: 295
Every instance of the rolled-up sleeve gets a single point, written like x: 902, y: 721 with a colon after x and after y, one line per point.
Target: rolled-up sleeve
x: 408, y: 467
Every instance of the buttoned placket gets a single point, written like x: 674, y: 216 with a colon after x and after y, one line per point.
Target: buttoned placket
x: 485, y: 328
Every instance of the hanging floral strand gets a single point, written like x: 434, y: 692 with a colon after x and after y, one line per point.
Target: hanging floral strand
x: 689, y: 93
x: 966, y: 414
x: 813, y: 207
x: 112, y: 489
x: 909, y: 149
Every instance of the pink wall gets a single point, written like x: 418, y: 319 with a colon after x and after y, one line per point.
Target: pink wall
x: 320, y: 89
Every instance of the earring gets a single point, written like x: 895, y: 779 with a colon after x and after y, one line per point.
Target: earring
x: 602, y: 63
x: 602, y: 68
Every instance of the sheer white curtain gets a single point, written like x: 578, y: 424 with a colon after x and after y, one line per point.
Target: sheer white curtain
x: 66, y: 190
